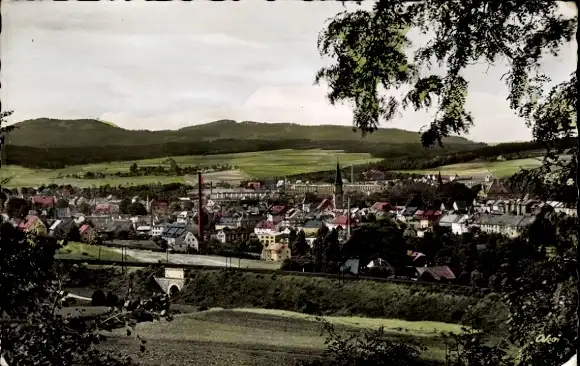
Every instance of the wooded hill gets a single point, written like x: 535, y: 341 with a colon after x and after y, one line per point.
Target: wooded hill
x: 55, y: 133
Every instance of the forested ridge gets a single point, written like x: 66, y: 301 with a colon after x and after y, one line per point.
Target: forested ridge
x: 53, y: 133
x: 397, y: 156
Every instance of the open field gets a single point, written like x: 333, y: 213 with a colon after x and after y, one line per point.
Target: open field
x: 149, y: 256
x: 74, y: 250
x: 261, y: 164
x: 482, y: 168
x: 257, y: 337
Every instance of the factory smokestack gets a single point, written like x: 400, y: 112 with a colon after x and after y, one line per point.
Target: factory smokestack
x: 199, y: 206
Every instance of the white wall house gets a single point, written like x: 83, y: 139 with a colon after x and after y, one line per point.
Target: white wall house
x: 459, y: 225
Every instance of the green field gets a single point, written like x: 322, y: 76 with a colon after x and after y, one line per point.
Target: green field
x: 74, y: 250
x: 261, y: 164
x: 499, y: 169
x: 258, y: 337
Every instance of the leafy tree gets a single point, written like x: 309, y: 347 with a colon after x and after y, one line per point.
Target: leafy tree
x: 292, y: 236
x: 136, y: 209
x: 85, y: 208
x: 188, y: 205
x: 300, y: 246
x: 380, y: 240
x: 174, y: 206
x: 17, y: 207
x: 31, y: 285
x: 371, y: 347
x: 331, y: 254
x: 173, y: 167
x: 134, y: 169
x: 124, y: 205
x: 369, y: 48
x: 68, y: 230
x: 98, y: 298
x: 254, y: 245
x: 61, y: 203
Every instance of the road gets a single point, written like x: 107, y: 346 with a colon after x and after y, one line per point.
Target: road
x: 154, y: 257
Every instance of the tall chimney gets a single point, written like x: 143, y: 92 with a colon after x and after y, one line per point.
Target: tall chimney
x: 348, y: 219
x: 199, y: 206
x: 352, y: 174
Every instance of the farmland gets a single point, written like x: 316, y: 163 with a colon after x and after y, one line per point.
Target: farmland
x: 270, y: 337
x: 262, y: 164
x: 474, y: 169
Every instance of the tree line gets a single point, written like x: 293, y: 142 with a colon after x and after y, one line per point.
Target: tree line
x: 150, y: 170
x: 58, y: 158
x: 430, y: 159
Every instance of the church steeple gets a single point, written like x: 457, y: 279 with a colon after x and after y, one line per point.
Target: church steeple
x: 338, y: 179
x: 338, y: 197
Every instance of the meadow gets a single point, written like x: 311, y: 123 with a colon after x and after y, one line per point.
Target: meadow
x: 262, y: 164
x: 214, y: 337
x: 235, y: 318
x: 500, y: 169
x: 75, y: 250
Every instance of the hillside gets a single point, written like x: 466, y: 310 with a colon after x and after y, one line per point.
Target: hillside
x: 45, y: 133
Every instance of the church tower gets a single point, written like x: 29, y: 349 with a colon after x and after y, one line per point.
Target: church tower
x: 338, y: 197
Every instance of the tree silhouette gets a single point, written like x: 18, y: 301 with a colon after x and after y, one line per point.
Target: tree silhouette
x: 370, y: 52
x: 300, y: 246
x: 136, y: 209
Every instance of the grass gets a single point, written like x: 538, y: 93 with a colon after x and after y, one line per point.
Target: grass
x: 148, y: 256
x: 480, y: 168
x: 418, y: 328
x: 261, y: 164
x: 257, y: 337
x: 74, y: 250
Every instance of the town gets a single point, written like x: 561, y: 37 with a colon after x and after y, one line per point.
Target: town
x: 289, y: 183
x: 269, y: 221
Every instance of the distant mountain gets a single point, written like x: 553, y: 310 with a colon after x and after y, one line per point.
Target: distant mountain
x: 46, y: 132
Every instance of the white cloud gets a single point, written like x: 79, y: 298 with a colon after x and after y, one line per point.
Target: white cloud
x: 167, y: 65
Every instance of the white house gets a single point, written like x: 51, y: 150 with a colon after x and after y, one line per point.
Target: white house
x: 459, y: 225
x: 143, y: 229
x: 184, y: 217
x: 156, y: 230
x: 185, y: 242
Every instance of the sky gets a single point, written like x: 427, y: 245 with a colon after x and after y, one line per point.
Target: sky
x: 166, y: 65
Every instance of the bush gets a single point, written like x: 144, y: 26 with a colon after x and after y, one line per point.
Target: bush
x: 230, y: 289
x: 98, y: 298
x: 369, y: 348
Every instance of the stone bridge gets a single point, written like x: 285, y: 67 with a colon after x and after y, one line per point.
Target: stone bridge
x: 173, y: 281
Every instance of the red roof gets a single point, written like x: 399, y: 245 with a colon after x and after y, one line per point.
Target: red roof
x: 415, y: 255
x: 104, y: 207
x: 265, y: 224
x: 437, y: 272
x: 84, y: 228
x: 381, y: 206
x: 278, y: 209
x: 43, y: 200
x: 27, y: 222
x: 428, y: 215
x: 340, y: 220
x: 325, y: 204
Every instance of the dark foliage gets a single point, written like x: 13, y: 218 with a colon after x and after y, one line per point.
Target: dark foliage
x: 31, y: 293
x: 51, y: 133
x: 231, y: 289
x: 372, y: 347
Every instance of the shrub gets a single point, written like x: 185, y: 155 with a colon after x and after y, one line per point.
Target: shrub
x: 98, y: 298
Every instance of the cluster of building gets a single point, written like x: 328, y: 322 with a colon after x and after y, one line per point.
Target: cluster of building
x: 227, y: 219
